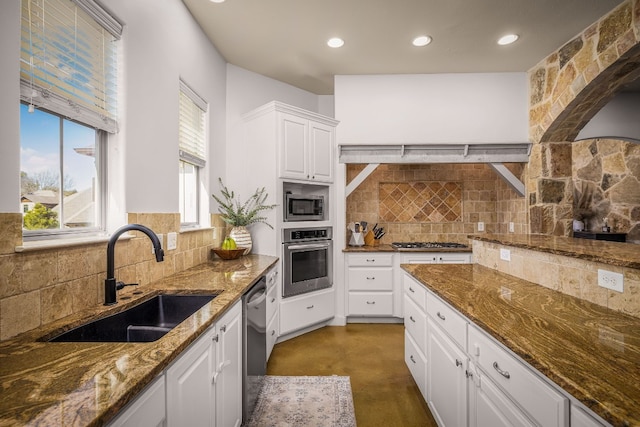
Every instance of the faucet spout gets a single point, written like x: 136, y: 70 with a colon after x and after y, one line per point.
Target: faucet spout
x: 110, y: 283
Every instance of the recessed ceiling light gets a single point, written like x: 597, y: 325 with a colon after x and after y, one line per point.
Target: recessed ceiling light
x: 421, y: 41
x: 335, y: 42
x: 508, y: 39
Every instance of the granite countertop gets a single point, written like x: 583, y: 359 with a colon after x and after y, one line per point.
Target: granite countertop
x: 612, y: 253
x: 590, y: 351
x: 82, y: 384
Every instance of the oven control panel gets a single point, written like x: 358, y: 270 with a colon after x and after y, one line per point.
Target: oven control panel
x: 305, y: 234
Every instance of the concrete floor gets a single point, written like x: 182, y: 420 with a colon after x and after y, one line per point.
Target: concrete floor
x: 384, y: 393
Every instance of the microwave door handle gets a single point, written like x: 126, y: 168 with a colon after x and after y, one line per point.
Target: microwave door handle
x: 314, y: 246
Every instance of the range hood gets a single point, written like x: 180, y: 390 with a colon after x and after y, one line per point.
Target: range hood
x: 619, y: 119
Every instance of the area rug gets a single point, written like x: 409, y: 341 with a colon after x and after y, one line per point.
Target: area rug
x: 304, y: 401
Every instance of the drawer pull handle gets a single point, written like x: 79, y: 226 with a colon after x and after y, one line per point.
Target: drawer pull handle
x: 441, y: 316
x: 273, y: 333
x: 371, y: 278
x: 469, y: 374
x: 223, y: 328
x: 273, y: 300
x: 310, y: 307
x: 505, y: 374
x: 458, y: 362
x: 371, y: 302
x: 371, y: 260
x: 412, y: 319
x: 412, y: 359
x: 411, y: 289
x: 215, y: 338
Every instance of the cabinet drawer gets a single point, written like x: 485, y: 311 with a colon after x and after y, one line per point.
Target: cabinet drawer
x: 272, y: 334
x: 448, y: 319
x: 375, y: 259
x: 306, y: 310
x: 272, y: 302
x: 371, y: 279
x: 539, y: 399
x: 371, y: 303
x: 416, y: 362
x: 415, y: 322
x: 415, y: 291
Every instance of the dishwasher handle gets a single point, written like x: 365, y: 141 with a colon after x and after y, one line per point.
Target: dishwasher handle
x: 257, y: 293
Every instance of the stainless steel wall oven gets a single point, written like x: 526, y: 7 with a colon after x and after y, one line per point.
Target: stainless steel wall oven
x: 307, y: 260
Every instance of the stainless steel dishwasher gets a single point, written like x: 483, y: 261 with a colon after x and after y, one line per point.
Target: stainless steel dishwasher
x: 254, y: 349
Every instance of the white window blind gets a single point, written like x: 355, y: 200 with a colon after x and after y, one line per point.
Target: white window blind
x: 192, y: 126
x: 68, y: 60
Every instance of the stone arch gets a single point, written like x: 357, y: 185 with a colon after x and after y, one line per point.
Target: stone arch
x: 566, y: 90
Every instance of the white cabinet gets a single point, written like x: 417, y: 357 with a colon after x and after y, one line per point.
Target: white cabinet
x: 580, y: 418
x: 228, y: 375
x: 436, y: 258
x: 299, y: 312
x: 147, y: 410
x: 306, y: 147
x: 370, y: 284
x: 542, y: 402
x: 273, y: 329
x: 415, y: 322
x: 489, y: 406
x: 204, y: 385
x: 447, y: 386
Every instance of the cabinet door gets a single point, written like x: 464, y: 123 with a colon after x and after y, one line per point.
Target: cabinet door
x: 294, y: 154
x: 579, y: 418
x: 488, y: 406
x: 416, y: 363
x: 447, y: 385
x: 148, y: 410
x: 228, y: 386
x: 190, y: 399
x: 321, y: 152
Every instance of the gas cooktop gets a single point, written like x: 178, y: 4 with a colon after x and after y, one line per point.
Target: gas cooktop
x: 416, y: 246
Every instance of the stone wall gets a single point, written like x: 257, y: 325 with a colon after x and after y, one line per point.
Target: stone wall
x: 566, y: 90
x: 485, y: 197
x: 40, y: 285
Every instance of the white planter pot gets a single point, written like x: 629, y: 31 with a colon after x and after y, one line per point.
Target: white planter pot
x: 242, y: 237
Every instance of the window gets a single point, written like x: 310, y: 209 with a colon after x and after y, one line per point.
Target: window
x: 192, y: 126
x: 68, y: 69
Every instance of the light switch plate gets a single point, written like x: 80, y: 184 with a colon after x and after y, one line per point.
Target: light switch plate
x: 512, y: 227
x: 481, y: 226
x: 172, y: 241
x: 505, y: 254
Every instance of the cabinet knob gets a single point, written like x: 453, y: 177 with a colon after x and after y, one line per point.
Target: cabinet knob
x: 458, y: 362
x: 215, y: 338
x: 505, y: 374
x: 223, y: 328
x: 273, y: 300
x: 273, y: 332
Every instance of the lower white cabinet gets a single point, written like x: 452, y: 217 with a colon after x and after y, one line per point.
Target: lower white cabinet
x: 147, y: 410
x: 489, y: 406
x: 447, y: 386
x: 299, y: 312
x: 370, y: 284
x: 204, y: 385
x: 470, y: 378
x: 580, y: 418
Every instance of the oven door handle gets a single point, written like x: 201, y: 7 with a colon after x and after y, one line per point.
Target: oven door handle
x: 309, y: 246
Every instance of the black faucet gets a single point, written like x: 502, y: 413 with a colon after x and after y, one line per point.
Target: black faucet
x: 110, y: 284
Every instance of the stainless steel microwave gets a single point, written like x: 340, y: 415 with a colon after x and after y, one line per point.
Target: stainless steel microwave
x: 300, y: 207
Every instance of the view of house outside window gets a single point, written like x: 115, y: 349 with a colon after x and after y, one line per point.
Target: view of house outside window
x: 58, y: 172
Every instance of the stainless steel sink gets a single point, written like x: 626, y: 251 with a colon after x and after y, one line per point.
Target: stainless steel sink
x: 145, y: 322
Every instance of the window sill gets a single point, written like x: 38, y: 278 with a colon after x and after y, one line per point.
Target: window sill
x: 191, y: 229
x: 42, y: 245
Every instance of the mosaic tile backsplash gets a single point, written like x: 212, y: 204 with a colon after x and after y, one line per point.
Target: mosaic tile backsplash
x: 420, y: 201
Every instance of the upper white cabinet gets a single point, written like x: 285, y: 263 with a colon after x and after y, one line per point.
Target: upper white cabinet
x: 306, y: 148
x: 305, y: 140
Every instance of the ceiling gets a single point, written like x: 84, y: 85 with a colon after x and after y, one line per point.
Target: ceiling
x: 286, y: 39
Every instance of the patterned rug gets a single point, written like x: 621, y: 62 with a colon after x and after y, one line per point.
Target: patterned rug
x: 304, y: 402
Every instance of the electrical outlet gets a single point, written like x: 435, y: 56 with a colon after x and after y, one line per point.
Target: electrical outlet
x: 611, y: 280
x: 172, y: 241
x: 215, y: 234
x: 481, y: 226
x: 512, y: 227
x: 505, y: 254
x: 153, y: 251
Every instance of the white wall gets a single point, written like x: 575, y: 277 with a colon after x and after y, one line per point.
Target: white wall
x: 10, y: 107
x: 432, y: 108
x: 163, y: 43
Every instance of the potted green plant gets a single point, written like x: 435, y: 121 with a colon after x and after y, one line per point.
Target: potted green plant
x: 242, y: 214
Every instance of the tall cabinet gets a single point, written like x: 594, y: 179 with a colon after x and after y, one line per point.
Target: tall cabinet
x: 283, y: 146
